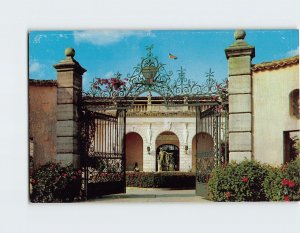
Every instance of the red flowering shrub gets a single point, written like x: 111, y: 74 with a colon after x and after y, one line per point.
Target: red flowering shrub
x: 282, y: 183
x: 237, y: 182
x: 55, y: 183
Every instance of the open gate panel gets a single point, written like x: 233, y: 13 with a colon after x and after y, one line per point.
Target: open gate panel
x: 104, y: 155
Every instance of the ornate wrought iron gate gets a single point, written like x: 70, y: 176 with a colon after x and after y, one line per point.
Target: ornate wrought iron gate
x: 102, y: 174
x: 214, y: 121
x: 103, y: 152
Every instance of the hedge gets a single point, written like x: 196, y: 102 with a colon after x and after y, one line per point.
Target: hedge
x: 178, y: 180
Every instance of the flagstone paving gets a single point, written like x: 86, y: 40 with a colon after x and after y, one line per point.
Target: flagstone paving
x: 152, y: 195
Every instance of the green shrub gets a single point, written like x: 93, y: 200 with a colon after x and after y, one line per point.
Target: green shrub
x: 272, y: 184
x: 237, y: 182
x: 283, y: 183
x: 55, y: 183
x: 160, y: 179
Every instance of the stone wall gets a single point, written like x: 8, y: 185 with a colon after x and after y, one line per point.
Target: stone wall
x: 42, y: 120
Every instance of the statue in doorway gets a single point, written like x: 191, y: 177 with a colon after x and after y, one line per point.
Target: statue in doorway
x: 160, y: 160
x: 165, y: 161
x: 170, y: 161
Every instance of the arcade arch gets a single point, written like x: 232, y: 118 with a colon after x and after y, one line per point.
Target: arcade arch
x: 134, y: 151
x: 169, y: 142
x: 203, y: 142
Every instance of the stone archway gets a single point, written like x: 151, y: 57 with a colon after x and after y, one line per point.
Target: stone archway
x: 205, y: 144
x: 134, y: 151
x: 169, y: 141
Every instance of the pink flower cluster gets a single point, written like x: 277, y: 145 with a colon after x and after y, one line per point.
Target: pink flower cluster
x: 245, y: 179
x: 287, y: 183
x: 228, y: 195
x: 221, y: 95
x: 110, y: 83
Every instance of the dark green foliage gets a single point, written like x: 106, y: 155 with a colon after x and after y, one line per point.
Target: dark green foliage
x: 55, y: 183
x: 237, y: 182
x: 161, y: 179
x: 283, y: 183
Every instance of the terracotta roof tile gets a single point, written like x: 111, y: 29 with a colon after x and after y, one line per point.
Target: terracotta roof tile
x: 273, y: 65
x: 34, y: 82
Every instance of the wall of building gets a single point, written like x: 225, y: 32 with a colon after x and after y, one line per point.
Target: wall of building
x: 151, y: 127
x: 42, y: 120
x: 271, y: 114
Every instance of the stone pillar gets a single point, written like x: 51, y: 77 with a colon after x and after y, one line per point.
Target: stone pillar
x: 239, y: 56
x: 69, y: 87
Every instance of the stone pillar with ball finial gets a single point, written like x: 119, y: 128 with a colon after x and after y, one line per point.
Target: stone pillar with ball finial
x: 239, y: 56
x: 69, y: 91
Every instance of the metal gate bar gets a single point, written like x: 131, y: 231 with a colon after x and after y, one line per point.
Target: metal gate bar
x: 103, y: 153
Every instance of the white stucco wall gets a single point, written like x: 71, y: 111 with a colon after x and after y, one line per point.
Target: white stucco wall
x: 271, y: 114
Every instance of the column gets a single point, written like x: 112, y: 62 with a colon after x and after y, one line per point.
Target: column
x: 239, y: 56
x: 69, y: 88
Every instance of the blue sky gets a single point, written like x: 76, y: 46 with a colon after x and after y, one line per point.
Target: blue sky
x: 104, y: 53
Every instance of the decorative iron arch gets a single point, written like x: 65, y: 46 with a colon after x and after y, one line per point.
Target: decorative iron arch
x: 151, y: 76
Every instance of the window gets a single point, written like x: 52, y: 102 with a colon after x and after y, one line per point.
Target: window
x: 291, y: 145
x: 295, y: 103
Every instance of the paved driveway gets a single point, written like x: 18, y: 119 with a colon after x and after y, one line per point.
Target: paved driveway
x: 152, y: 195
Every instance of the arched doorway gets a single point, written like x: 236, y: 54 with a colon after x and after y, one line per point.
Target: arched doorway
x: 134, y: 151
x: 169, y: 142
x: 205, y: 144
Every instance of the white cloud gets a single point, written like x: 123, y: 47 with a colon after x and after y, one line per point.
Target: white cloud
x: 63, y: 36
x: 109, y: 74
x: 37, y: 38
x: 107, y: 37
x: 35, y: 67
x: 293, y: 52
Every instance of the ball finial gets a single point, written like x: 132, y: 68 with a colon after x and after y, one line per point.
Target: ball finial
x: 69, y: 52
x: 239, y: 34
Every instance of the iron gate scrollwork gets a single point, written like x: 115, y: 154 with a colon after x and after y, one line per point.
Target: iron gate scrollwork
x: 103, y: 152
x: 213, y: 121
